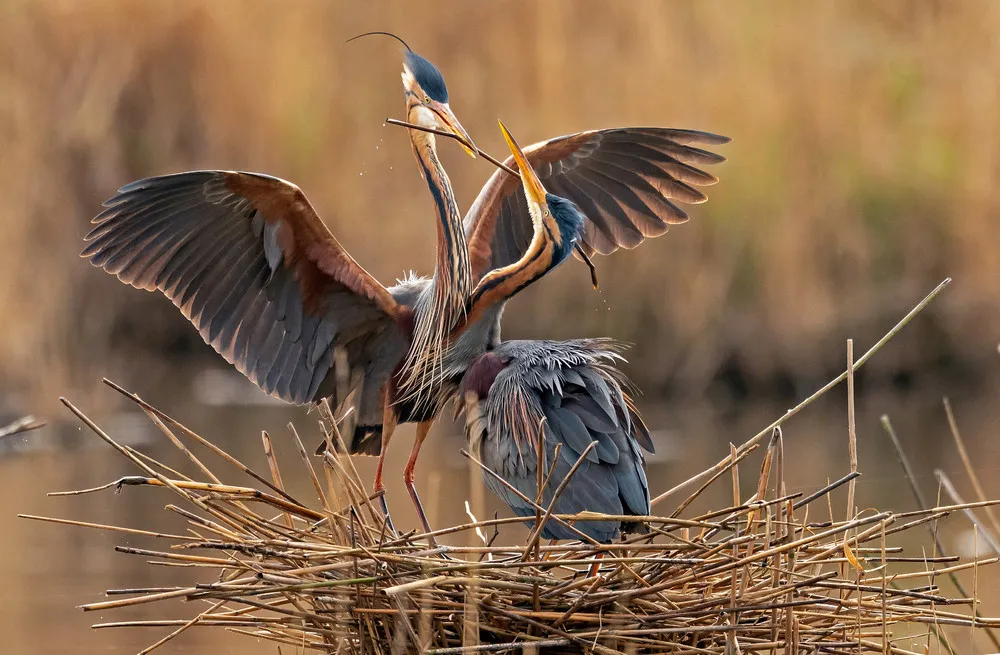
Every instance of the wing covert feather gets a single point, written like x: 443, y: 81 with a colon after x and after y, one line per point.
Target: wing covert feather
x: 626, y: 181
x: 248, y: 261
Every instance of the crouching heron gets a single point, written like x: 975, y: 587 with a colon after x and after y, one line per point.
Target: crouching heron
x: 572, y: 388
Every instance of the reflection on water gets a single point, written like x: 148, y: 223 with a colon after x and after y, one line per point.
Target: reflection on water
x: 49, y: 570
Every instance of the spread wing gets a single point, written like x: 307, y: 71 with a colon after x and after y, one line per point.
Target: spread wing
x: 249, y: 262
x: 626, y: 181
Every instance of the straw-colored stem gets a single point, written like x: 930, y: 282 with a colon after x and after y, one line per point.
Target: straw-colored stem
x: 852, y: 436
x: 970, y: 470
x: 819, y: 392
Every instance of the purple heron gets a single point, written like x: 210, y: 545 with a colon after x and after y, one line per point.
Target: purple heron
x: 250, y: 263
x: 573, y: 386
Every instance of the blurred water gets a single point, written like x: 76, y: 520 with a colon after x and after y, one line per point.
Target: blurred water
x: 48, y: 570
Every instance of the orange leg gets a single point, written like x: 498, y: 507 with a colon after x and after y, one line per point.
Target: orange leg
x: 423, y: 429
x: 596, y: 566
x: 389, y: 421
x: 547, y: 554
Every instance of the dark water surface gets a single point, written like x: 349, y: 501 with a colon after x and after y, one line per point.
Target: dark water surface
x: 48, y: 570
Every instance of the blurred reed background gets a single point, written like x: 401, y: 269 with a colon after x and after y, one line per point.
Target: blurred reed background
x: 863, y: 167
x: 863, y: 170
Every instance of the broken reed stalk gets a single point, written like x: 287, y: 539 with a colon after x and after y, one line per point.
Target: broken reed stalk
x: 750, y: 443
x: 970, y: 471
x: 922, y: 503
x: 852, y: 435
x: 757, y: 576
x: 20, y: 426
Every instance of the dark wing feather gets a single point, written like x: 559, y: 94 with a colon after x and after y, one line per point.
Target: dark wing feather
x: 572, y: 385
x: 249, y: 262
x: 626, y: 181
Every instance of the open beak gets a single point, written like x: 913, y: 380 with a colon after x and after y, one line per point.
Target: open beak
x: 448, y: 118
x: 533, y: 189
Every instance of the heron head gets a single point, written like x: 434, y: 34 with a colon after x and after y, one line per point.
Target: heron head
x: 569, y: 219
x: 560, y: 217
x: 427, y: 95
x: 427, y: 99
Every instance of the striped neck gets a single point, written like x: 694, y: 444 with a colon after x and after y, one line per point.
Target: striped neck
x: 502, y: 284
x: 453, y: 272
x: 452, y: 283
x: 557, y: 227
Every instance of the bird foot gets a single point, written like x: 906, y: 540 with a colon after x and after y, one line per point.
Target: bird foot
x: 595, y: 568
x: 390, y: 528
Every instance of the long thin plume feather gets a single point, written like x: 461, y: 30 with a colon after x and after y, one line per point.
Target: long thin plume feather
x: 424, y: 365
x: 353, y: 38
x: 440, y: 310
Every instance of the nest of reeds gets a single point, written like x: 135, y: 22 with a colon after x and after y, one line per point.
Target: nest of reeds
x: 777, y: 572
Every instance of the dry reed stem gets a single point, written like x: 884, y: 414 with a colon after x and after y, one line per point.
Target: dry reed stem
x: 817, y: 394
x: 970, y: 471
x: 652, y: 599
x: 922, y: 503
x: 852, y: 435
x: 750, y: 578
x: 21, y: 425
x: 967, y: 508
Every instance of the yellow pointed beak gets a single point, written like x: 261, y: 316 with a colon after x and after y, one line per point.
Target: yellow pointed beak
x: 533, y: 189
x: 448, y: 118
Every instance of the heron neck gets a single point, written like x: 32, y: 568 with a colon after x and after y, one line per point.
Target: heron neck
x: 499, y: 285
x: 453, y: 272
x: 438, y: 312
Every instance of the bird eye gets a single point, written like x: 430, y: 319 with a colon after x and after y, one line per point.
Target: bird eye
x: 546, y: 212
x: 427, y: 99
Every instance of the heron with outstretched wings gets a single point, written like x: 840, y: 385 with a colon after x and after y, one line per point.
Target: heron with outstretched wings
x: 250, y: 263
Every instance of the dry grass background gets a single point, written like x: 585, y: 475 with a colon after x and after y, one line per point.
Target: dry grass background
x: 863, y: 167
